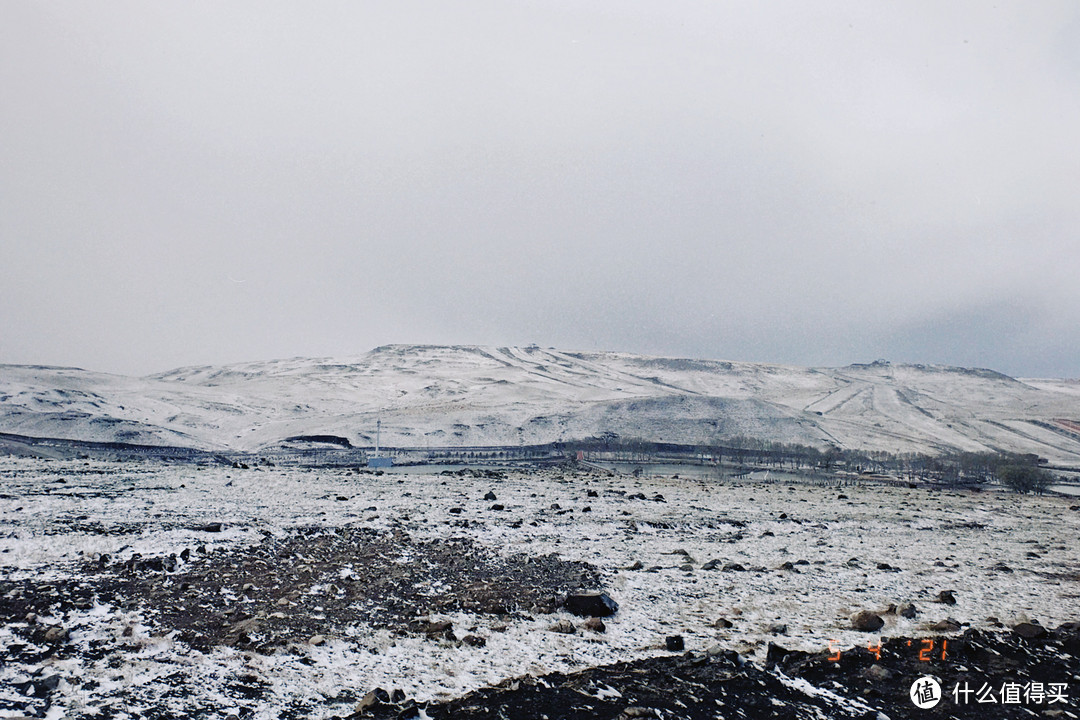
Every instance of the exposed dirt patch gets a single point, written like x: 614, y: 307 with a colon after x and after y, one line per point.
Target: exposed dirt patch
x: 313, y: 582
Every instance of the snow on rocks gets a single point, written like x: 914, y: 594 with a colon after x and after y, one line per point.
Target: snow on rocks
x: 291, y: 562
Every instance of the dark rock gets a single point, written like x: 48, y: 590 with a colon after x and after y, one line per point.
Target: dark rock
x: 490, y: 496
x: 674, y: 643
x: 431, y: 628
x: 946, y: 625
x: 733, y: 567
x: 778, y: 628
x: 907, y: 610
x: 474, y: 641
x: 723, y: 623
x: 497, y: 507
x: 592, y: 493
x: 1029, y: 630
x: 636, y: 565
x: 214, y: 527
x: 591, y: 605
x: 947, y: 597
x: 712, y: 565
x: 866, y: 621
x: 456, y: 511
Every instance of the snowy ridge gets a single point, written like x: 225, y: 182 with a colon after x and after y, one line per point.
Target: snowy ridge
x: 440, y: 396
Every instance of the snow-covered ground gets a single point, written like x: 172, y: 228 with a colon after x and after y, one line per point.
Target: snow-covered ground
x: 1002, y: 555
x: 438, y: 396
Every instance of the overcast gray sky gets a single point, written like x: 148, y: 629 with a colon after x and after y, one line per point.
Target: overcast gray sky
x: 811, y: 183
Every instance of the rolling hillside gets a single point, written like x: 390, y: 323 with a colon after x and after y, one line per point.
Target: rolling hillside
x: 432, y: 396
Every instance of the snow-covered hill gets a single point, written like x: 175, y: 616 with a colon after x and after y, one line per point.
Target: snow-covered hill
x: 432, y: 396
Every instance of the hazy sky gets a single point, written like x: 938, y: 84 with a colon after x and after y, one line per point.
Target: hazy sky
x: 811, y: 183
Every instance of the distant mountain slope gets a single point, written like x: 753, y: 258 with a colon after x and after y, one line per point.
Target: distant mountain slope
x: 467, y: 395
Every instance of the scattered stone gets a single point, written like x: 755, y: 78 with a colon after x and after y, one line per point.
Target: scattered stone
x: 866, y: 621
x: 456, y: 510
x: 768, y: 533
x: 376, y: 697
x: 595, y: 625
x: 474, y: 641
x: 56, y: 634
x: 497, y: 507
x: 432, y: 627
x: 712, y: 564
x: 878, y: 673
x: 490, y: 496
x: 1029, y: 630
x: 591, y: 605
x: 723, y: 623
x: 592, y: 493
x: 947, y: 597
x: 674, y: 643
x: 947, y: 625
x: 215, y: 527
x: 563, y: 626
x: 733, y: 567
x: 853, y: 562
x: 1001, y: 567
x: 907, y: 610
x: 778, y: 628
x: 636, y: 565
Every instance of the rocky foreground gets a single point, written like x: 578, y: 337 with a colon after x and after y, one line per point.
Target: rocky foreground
x: 132, y: 591
x: 983, y: 675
